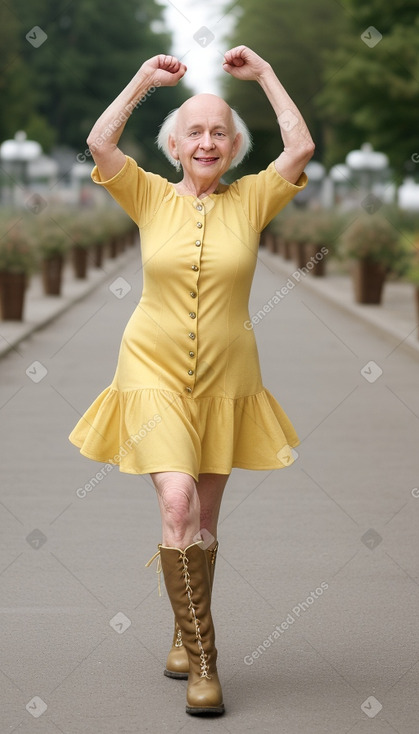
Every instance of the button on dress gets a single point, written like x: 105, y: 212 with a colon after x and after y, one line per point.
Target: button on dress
x: 187, y: 394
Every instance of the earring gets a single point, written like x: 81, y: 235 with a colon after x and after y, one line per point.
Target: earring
x: 177, y: 166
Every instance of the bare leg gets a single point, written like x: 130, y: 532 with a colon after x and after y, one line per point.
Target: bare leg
x: 210, y: 490
x: 187, y: 507
x: 188, y: 511
x: 179, y: 507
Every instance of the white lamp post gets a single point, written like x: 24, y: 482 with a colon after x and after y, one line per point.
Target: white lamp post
x: 316, y: 173
x: 16, y: 154
x: 368, y: 164
x: 408, y: 195
x: 339, y: 181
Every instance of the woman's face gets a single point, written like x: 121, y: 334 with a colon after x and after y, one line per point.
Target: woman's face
x: 205, y: 141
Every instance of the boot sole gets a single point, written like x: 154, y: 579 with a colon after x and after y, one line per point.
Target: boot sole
x: 202, y: 710
x: 173, y: 674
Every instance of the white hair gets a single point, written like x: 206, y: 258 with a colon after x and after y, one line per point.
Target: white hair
x: 169, y: 125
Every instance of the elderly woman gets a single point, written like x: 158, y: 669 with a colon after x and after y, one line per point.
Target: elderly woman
x: 187, y: 401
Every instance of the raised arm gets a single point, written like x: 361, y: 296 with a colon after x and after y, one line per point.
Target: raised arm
x: 159, y: 71
x: 243, y: 63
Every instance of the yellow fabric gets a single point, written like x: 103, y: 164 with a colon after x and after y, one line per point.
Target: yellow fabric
x: 198, y: 268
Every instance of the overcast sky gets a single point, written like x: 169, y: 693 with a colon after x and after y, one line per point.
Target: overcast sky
x: 199, y: 29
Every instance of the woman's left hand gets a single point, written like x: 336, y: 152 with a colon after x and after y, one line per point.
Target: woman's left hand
x: 243, y: 63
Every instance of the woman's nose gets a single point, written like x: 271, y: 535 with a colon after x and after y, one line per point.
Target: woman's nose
x: 206, y: 141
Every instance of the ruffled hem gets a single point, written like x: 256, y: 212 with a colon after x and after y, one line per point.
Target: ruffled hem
x: 149, y: 430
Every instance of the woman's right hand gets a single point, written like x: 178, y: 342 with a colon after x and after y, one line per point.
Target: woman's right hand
x: 163, y: 70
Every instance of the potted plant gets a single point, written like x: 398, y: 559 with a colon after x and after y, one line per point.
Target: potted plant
x: 99, y: 250
x: 322, y: 235
x: 374, y: 246
x: 295, y: 231
x: 132, y: 232
x: 283, y: 227
x: 123, y: 228
x: 111, y: 231
x: 53, y: 244
x: 17, y: 262
x: 273, y: 236
x: 268, y: 238
x: 99, y: 234
x: 412, y: 276
x: 82, y: 236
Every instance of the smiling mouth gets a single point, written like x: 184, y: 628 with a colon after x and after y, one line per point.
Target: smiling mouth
x: 206, y: 159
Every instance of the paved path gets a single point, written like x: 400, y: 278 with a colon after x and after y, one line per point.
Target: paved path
x: 316, y: 590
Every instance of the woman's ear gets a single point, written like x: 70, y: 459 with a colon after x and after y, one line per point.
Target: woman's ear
x: 173, y: 148
x: 236, y: 144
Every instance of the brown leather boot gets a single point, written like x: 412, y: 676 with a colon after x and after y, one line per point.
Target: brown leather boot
x: 187, y: 581
x: 177, y: 664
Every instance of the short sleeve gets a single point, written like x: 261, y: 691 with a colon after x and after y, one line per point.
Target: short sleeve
x: 138, y: 192
x: 264, y: 194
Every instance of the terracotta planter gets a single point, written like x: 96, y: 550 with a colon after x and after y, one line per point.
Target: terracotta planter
x: 369, y: 278
x: 80, y: 262
x: 270, y: 241
x: 121, y: 244
x: 281, y: 246
x: 298, y: 250
x: 319, y: 260
x: 286, y: 249
x: 278, y: 243
x: 262, y: 238
x: 52, y: 272
x: 12, y: 295
x: 113, y: 247
x: 98, y: 255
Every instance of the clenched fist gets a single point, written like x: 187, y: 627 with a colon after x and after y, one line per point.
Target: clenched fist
x: 163, y: 70
x: 243, y: 63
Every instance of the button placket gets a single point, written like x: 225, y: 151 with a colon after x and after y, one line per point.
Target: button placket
x: 194, y: 292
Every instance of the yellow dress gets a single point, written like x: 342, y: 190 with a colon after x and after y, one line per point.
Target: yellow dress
x: 187, y: 394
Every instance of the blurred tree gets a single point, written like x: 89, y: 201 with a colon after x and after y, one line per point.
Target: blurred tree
x: 91, y: 52
x: 293, y: 37
x: 17, y: 94
x: 372, y: 88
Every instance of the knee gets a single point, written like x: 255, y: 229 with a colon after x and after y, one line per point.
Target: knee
x: 179, y: 502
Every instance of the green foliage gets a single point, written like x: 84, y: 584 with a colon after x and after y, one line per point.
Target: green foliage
x: 17, y: 250
x: 17, y: 94
x: 296, y: 227
x: 409, y: 240
x: 27, y: 239
x: 348, y: 92
x: 373, y: 237
x: 292, y: 37
x: 57, y: 91
x: 412, y: 274
x: 372, y: 93
x: 89, y: 227
x: 404, y: 220
x: 50, y: 233
x: 325, y: 227
x: 81, y: 230
x: 313, y: 227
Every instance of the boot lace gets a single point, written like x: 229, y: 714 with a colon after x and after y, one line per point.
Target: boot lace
x: 158, y: 568
x: 191, y: 606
